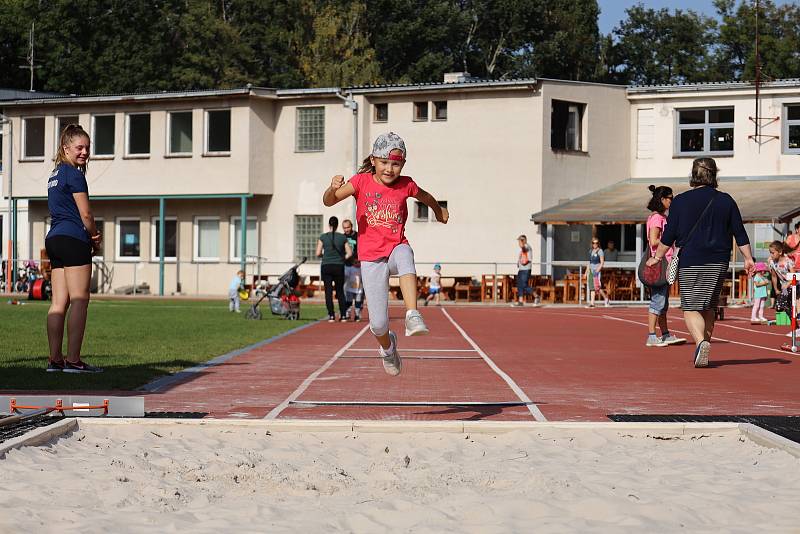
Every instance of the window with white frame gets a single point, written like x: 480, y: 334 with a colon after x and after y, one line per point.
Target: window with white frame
x: 99, y: 253
x: 566, y: 125
x: 218, y: 131
x: 307, y: 229
x: 420, y: 211
x: 206, y: 239
x: 179, y: 132
x: 61, y: 123
x: 103, y: 135
x: 235, y: 240
x: 1, y: 152
x: 170, y: 239
x: 420, y: 111
x: 128, y: 239
x: 622, y: 235
x: 792, y: 129
x: 310, y: 129
x: 381, y: 113
x: 440, y: 110
x: 33, y: 138
x: 138, y: 138
x: 705, y: 131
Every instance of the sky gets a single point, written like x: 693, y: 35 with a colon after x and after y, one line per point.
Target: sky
x: 612, y: 11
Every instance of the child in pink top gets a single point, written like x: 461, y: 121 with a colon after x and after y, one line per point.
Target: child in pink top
x: 381, y: 193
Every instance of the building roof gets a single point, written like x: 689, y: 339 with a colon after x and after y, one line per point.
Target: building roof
x: 761, y: 199
x: 713, y: 86
x: 19, y: 94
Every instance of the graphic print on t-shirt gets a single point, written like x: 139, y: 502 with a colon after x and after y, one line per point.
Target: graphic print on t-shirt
x: 383, y: 212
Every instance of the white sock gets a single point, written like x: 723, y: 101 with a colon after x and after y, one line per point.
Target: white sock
x: 386, y: 352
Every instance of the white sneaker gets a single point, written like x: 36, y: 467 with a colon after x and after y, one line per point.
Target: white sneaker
x: 415, y: 326
x: 701, y: 354
x: 392, y: 363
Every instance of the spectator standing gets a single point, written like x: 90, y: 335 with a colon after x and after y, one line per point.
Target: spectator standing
x: 236, y: 285
x: 793, y: 244
x: 334, y: 250
x: 611, y: 253
x: 354, y: 291
x: 524, y: 259
x: 702, y: 222
x: 594, y: 283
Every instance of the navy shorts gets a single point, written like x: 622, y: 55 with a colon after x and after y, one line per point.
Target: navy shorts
x: 66, y: 251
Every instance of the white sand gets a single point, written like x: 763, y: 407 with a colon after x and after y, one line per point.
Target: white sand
x: 189, y: 478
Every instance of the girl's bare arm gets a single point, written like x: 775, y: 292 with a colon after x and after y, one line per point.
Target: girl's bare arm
x: 337, y: 191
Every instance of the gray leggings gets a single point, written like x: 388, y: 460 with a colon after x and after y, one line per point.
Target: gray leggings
x: 375, y: 276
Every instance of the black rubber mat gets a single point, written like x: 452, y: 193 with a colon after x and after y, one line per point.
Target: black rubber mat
x: 787, y: 426
x: 176, y: 415
x: 18, y: 429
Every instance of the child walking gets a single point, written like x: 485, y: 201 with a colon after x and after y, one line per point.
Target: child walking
x: 236, y: 285
x: 435, y: 285
x: 381, y: 193
x: 780, y: 266
x: 761, y: 287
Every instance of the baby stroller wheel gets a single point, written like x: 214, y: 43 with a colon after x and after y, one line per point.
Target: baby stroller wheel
x: 253, y: 313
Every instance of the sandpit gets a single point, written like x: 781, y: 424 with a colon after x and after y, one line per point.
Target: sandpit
x: 160, y: 476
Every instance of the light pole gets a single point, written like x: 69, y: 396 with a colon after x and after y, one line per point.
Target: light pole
x: 11, y: 272
x: 350, y: 103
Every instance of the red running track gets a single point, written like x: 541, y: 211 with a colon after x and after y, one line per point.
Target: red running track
x: 571, y: 364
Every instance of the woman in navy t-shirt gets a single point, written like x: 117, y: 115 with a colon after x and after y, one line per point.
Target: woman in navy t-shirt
x: 72, y: 237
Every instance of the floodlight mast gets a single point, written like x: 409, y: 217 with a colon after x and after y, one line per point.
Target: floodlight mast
x: 758, y: 120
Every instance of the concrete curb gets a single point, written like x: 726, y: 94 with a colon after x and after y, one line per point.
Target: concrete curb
x: 39, y: 436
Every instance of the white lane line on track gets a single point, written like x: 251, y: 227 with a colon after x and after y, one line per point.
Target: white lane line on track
x: 715, y: 337
x: 416, y: 350
x: 276, y: 411
x: 535, y: 412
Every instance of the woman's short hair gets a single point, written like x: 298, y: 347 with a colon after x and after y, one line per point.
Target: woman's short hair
x: 659, y: 194
x: 333, y: 222
x: 704, y: 172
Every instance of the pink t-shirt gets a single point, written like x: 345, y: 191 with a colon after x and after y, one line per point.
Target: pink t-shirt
x: 381, y: 212
x: 657, y: 220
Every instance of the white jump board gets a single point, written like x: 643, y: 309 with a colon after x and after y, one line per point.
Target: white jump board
x: 117, y: 406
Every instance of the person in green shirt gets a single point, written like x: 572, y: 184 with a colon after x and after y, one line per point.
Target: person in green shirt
x: 334, y: 250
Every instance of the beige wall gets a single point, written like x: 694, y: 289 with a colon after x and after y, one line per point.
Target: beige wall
x: 749, y: 158
x: 158, y: 174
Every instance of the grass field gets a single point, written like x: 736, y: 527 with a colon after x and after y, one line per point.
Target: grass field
x: 135, y: 341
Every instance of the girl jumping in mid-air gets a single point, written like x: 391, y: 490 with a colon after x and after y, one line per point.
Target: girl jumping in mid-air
x: 381, y: 193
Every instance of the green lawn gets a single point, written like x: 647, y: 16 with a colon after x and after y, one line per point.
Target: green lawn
x: 135, y: 341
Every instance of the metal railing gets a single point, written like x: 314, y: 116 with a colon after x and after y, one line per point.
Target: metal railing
x: 211, y: 278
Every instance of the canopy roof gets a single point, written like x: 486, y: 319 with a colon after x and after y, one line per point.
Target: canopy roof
x: 761, y: 199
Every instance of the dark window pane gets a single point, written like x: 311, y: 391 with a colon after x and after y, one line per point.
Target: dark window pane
x: 720, y: 115
x: 101, y: 251
x: 381, y: 112
x: 63, y: 122
x: 443, y: 203
x: 139, y: 134
x: 129, y: 239
x: 692, y: 116
x: 1, y: 156
x: 691, y: 140
x: 420, y: 111
x: 170, y: 241
x: 793, y: 113
x: 421, y: 211
x: 440, y: 110
x: 794, y: 136
x: 103, y: 143
x: 219, y: 131
x: 180, y: 132
x: 721, y: 139
x: 630, y: 238
x: 34, y: 138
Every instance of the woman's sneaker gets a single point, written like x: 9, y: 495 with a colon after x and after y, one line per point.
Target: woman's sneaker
x: 392, y: 363
x: 415, y: 326
x: 654, y: 341
x: 54, y: 367
x: 670, y: 339
x: 331, y: 319
x: 80, y: 367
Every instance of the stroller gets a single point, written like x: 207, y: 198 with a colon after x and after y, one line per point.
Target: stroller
x: 282, y: 299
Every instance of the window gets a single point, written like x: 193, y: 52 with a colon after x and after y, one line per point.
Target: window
x: 218, y: 131
x: 310, y: 129
x: 235, y: 249
x: 381, y: 113
x: 100, y: 253
x: 440, y: 111
x: 420, y: 211
x: 63, y: 122
x: 128, y: 239
x: 170, y: 239
x: 705, y: 131
x: 103, y: 133
x: 1, y: 154
x: 420, y: 111
x: 307, y: 229
x: 33, y: 138
x: 792, y: 129
x: 623, y: 236
x: 566, y: 125
x: 180, y: 133
x: 138, y: 134
x: 206, y: 238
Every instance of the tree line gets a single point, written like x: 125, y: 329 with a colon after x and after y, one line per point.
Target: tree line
x: 107, y: 46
